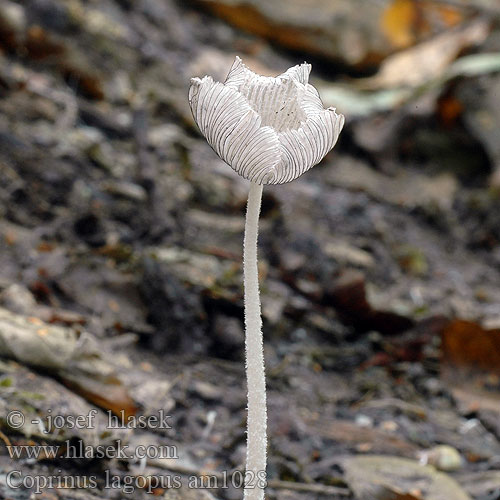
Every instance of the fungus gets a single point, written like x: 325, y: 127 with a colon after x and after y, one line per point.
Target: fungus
x: 270, y: 131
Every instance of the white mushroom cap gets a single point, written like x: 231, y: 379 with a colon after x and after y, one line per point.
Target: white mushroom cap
x: 269, y: 130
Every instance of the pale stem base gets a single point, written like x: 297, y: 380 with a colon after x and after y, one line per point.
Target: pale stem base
x: 254, y: 350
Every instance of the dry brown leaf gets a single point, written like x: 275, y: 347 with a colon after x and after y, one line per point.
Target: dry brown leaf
x: 106, y: 392
x: 398, y: 23
x: 448, y: 14
x: 386, y: 492
x: 40, y: 397
x: 467, y: 345
x: 428, y: 60
x: 449, y: 109
x: 347, y: 31
x: 40, y: 44
x: 405, y: 22
x: 348, y: 295
x: 471, y: 369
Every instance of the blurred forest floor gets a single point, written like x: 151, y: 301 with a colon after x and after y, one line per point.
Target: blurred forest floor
x: 121, y: 236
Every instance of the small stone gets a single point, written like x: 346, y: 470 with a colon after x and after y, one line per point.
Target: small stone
x: 126, y: 190
x: 363, y: 421
x: 348, y: 254
x: 433, y: 386
x: 389, y: 426
x: 443, y: 457
x: 207, y: 391
x: 15, y: 15
x: 18, y: 299
x: 163, y: 135
x: 275, y: 299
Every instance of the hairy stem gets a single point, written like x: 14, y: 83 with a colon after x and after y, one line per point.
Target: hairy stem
x: 254, y: 349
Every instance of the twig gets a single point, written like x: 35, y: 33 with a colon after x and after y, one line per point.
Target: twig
x: 398, y: 404
x: 5, y: 439
x: 321, y: 489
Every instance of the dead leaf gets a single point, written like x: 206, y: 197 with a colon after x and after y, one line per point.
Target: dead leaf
x: 428, y: 60
x: 20, y: 339
x: 332, y: 30
x: 86, y: 81
x: 471, y: 368
x: 40, y: 44
x: 405, y: 22
x: 467, y: 345
x: 398, y: 23
x: 73, y: 356
x: 407, y: 188
x: 356, y: 102
x: 39, y: 397
x: 348, y: 295
x: 449, y: 109
x: 378, y: 477
x: 105, y: 392
x: 449, y: 15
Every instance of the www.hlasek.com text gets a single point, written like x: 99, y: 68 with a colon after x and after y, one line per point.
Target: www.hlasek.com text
x: 70, y: 450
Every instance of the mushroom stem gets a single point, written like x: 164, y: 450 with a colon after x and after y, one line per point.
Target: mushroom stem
x: 255, y: 476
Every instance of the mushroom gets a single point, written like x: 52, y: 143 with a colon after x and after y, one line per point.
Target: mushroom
x: 270, y: 131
